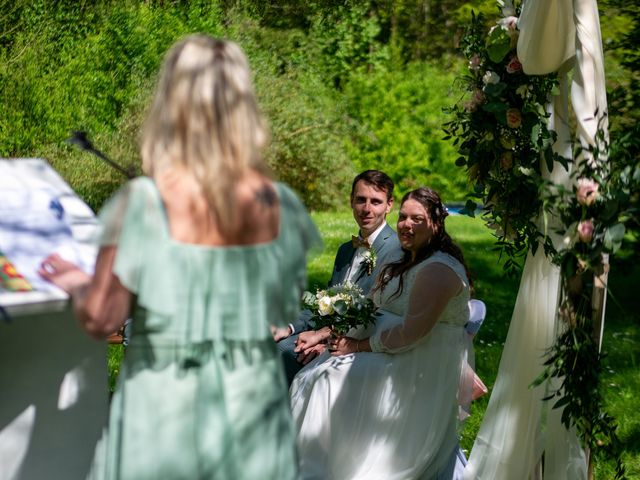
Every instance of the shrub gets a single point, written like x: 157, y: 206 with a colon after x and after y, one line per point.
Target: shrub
x: 400, y: 113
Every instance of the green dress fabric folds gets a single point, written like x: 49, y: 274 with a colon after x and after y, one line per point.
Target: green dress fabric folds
x: 201, y: 393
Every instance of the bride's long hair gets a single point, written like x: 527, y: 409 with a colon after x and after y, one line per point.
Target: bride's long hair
x: 439, y: 241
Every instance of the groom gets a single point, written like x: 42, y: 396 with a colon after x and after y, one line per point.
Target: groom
x: 371, y: 201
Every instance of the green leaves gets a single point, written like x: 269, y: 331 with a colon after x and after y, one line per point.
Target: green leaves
x: 498, y: 44
x: 501, y: 134
x: 613, y: 237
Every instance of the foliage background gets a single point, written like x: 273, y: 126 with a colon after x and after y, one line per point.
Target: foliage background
x: 346, y: 85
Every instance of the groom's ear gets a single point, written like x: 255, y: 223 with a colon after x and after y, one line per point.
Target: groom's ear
x: 389, y: 205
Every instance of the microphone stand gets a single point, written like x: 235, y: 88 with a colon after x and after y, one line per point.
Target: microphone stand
x: 80, y: 139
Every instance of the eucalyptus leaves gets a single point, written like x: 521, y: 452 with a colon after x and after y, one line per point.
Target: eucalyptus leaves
x: 500, y: 131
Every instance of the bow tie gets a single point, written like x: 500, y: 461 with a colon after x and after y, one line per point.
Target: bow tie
x: 359, y: 242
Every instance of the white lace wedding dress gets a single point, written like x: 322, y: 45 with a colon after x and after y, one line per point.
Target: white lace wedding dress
x: 390, y: 415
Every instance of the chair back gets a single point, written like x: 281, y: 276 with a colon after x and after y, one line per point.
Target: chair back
x: 477, y: 314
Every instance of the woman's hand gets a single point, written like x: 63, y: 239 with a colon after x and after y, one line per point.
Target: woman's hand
x: 311, y: 343
x: 62, y: 273
x: 343, y: 346
x: 311, y: 338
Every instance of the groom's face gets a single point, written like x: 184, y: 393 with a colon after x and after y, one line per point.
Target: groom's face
x: 370, y: 206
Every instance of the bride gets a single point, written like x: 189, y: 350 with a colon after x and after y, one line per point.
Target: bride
x: 385, y: 406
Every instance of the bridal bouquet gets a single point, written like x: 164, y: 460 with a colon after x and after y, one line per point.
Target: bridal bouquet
x: 341, y: 307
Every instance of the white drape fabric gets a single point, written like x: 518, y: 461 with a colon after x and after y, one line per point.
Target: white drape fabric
x: 518, y: 427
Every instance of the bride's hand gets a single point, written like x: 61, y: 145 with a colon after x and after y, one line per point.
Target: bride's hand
x: 307, y: 340
x: 342, y: 346
x: 62, y: 273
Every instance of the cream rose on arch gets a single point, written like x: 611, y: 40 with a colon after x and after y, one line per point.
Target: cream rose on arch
x: 490, y: 78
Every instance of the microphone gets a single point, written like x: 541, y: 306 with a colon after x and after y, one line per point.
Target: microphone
x: 80, y: 139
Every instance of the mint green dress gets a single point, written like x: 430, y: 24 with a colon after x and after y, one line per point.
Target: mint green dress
x: 201, y: 392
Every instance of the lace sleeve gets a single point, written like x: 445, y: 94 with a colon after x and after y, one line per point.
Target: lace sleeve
x: 434, y: 286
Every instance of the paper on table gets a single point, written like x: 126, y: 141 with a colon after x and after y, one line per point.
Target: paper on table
x: 33, y: 224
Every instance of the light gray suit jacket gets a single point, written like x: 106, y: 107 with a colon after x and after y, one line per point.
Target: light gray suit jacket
x: 387, y: 248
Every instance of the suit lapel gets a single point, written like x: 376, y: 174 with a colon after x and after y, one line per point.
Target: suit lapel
x: 382, y: 237
x: 344, y: 262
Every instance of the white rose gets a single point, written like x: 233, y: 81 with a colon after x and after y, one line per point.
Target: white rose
x: 325, y: 306
x: 509, y: 23
x: 524, y: 91
x: 490, y: 77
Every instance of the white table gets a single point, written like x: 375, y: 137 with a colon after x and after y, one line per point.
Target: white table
x: 53, y: 377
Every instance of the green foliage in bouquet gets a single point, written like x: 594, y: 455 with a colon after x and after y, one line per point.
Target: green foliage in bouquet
x: 500, y: 131
x: 340, y: 307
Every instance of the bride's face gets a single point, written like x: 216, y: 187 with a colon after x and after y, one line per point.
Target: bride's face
x: 414, y: 226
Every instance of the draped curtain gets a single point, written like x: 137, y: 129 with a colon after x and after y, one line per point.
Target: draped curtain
x: 518, y: 427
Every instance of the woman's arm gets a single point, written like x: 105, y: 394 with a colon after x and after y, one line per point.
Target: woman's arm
x: 435, y: 285
x: 100, y: 303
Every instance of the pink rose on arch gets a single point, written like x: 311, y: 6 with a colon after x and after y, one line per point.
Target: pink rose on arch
x: 586, y: 191
x: 585, y: 231
x: 509, y: 23
x: 477, y: 98
x: 514, y: 65
x: 514, y: 118
x: 474, y: 62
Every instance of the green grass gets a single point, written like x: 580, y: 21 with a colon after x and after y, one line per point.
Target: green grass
x: 621, y: 379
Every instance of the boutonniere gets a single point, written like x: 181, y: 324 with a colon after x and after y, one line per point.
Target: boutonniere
x: 369, y: 260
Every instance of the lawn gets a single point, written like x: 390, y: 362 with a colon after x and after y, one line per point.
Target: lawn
x: 621, y: 381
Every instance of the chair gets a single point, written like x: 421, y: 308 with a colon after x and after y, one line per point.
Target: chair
x: 477, y: 313
x: 476, y: 388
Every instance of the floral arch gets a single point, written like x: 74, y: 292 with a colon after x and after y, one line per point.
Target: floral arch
x: 552, y: 199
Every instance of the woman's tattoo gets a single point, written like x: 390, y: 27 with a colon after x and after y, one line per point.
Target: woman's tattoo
x: 266, y: 195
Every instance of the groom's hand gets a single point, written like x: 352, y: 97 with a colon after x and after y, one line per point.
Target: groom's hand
x: 280, y: 332
x: 311, y: 338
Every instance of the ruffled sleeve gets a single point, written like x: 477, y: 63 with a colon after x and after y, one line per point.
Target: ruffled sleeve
x: 300, y: 240
x: 133, y: 220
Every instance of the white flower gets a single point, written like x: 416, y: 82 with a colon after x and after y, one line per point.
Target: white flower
x: 587, y: 191
x: 340, y: 307
x: 509, y: 23
x: 325, y: 306
x: 369, y: 260
x: 524, y: 91
x: 490, y: 78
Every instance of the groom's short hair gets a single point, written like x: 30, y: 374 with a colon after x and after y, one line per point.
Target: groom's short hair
x: 378, y: 179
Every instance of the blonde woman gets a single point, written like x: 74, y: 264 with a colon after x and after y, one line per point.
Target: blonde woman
x: 205, y: 252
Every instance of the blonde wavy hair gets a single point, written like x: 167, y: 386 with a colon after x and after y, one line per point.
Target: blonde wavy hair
x: 204, y: 118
